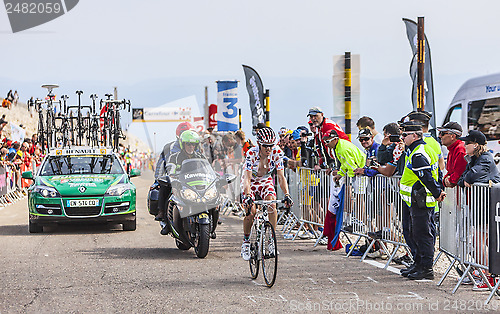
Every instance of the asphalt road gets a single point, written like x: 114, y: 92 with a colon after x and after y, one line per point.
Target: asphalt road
x: 98, y: 268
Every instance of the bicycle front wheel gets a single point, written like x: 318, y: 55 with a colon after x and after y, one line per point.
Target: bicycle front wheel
x: 269, y: 254
x: 254, y: 255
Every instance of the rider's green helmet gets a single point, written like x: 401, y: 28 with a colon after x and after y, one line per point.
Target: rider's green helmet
x: 189, y: 136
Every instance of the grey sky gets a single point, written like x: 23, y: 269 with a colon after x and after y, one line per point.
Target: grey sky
x: 126, y: 42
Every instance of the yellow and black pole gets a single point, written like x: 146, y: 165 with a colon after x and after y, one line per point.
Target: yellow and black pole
x: 420, y: 64
x: 268, y: 109
x: 239, y: 116
x: 347, y: 101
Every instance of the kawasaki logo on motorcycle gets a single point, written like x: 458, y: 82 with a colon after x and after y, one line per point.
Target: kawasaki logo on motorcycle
x: 195, y: 175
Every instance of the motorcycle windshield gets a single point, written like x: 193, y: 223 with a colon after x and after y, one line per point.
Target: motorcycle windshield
x: 197, y: 173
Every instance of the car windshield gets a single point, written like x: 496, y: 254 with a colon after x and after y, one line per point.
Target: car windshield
x: 64, y: 165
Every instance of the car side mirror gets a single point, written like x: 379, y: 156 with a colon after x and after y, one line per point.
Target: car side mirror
x: 27, y: 175
x: 135, y: 173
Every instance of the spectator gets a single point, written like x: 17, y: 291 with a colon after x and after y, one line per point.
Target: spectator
x: 325, y: 125
x: 456, y: 163
x: 368, y: 123
x: 240, y: 139
x: 371, y: 147
x: 424, y: 118
x: 350, y: 158
x: 390, y: 151
x: 481, y: 166
x: 15, y: 98
x: 3, y: 123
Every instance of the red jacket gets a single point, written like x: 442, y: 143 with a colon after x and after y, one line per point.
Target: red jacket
x: 327, y: 125
x: 456, y: 163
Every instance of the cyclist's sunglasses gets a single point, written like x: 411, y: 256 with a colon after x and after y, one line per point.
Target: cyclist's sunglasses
x: 267, y: 145
x: 190, y: 144
x: 330, y: 139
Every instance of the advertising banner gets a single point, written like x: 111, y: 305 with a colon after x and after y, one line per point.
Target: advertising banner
x: 255, y: 90
x: 227, y: 109
x: 17, y: 133
x: 166, y: 114
x: 411, y: 32
x: 494, y: 230
x: 3, y: 181
x: 212, y: 116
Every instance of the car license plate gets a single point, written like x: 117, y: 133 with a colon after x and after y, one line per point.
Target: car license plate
x: 82, y: 203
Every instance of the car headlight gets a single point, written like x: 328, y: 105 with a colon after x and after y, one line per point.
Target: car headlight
x: 46, y: 191
x: 117, y: 190
x: 189, y: 195
x: 211, y: 193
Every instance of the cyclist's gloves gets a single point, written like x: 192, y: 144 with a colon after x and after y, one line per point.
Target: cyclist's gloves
x: 288, y: 200
x: 248, y: 201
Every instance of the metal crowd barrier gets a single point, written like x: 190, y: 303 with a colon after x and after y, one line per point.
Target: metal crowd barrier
x: 9, y: 192
x: 373, y: 204
x: 464, y: 233
x: 232, y: 193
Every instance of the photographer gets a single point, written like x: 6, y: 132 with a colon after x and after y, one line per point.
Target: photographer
x: 390, y: 151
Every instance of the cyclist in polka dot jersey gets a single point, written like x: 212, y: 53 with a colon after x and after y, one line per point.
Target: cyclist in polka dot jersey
x: 257, y: 180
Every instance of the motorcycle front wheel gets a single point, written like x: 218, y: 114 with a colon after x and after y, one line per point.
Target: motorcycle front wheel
x: 203, y: 242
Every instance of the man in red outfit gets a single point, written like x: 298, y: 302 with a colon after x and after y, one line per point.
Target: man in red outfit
x: 456, y: 163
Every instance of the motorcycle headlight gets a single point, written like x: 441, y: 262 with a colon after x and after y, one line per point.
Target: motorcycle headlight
x: 189, y: 195
x: 211, y: 193
x: 117, y: 190
x: 47, y: 191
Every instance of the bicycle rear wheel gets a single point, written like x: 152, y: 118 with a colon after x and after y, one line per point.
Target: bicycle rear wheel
x: 254, y: 252
x: 269, y: 252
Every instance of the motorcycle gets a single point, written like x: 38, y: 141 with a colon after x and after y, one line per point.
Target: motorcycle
x: 193, y: 207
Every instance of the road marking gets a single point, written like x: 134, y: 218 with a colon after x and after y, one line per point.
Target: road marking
x: 362, y: 280
x: 380, y: 265
x: 410, y: 295
x: 333, y: 281
x: 313, y: 281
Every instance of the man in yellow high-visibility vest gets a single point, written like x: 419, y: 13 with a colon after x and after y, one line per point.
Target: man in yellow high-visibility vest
x: 420, y: 192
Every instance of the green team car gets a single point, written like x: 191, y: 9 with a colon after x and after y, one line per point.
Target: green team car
x: 81, y: 184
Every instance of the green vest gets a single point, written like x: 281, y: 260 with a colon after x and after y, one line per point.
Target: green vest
x: 429, y: 140
x: 350, y: 157
x: 409, y: 178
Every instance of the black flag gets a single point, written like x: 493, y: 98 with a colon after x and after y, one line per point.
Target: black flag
x: 256, y: 94
x: 411, y: 32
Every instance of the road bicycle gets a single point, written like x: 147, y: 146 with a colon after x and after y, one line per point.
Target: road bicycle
x: 263, y: 244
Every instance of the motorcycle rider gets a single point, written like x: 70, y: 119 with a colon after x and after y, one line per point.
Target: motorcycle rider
x: 188, y: 143
x: 260, y: 163
x: 160, y: 170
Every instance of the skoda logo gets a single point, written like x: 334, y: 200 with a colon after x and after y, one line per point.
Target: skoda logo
x: 82, y: 189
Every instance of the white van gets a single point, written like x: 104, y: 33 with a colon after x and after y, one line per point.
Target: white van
x: 476, y: 106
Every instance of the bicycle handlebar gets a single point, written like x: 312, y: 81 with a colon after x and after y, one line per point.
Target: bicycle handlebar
x: 268, y: 202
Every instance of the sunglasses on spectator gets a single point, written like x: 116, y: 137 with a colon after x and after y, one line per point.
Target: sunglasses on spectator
x: 364, y: 139
x: 405, y: 134
x: 330, y: 140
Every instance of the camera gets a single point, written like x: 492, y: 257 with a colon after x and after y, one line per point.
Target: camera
x: 305, y: 134
x: 394, y: 138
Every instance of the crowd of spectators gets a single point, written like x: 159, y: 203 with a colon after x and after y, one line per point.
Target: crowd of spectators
x: 324, y: 145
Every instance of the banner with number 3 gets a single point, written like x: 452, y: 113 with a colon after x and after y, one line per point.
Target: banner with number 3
x: 227, y: 106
